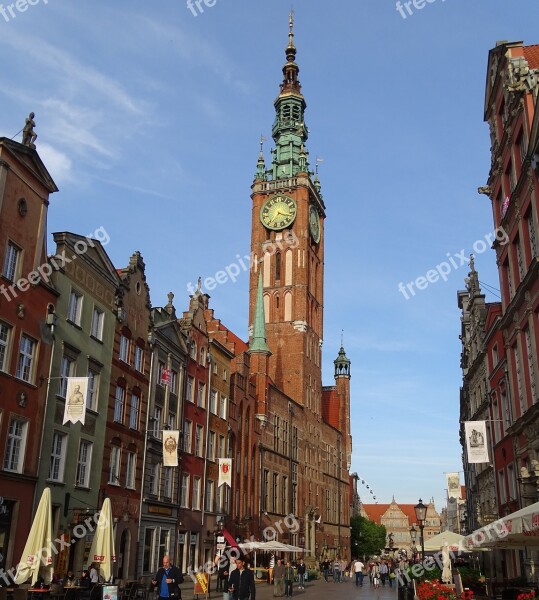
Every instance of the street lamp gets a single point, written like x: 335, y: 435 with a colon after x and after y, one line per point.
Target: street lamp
x: 421, y: 515
x: 413, y: 537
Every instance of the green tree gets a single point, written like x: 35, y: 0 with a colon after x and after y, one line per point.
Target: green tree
x: 367, y: 538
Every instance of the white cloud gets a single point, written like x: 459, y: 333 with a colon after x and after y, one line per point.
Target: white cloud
x: 58, y: 164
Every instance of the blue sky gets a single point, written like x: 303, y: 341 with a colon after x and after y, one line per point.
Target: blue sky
x: 149, y: 120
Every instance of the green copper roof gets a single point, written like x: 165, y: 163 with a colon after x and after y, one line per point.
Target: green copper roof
x: 289, y: 130
x: 258, y: 341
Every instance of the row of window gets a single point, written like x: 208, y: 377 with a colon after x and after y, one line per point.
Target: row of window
x: 27, y: 357
x: 120, y: 407
x: 217, y: 446
x: 276, y: 493
x: 115, y: 468
x: 58, y: 459
x: 218, y: 402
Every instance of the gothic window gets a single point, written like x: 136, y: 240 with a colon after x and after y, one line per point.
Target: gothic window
x: 266, y: 307
x: 278, y: 266
x: 288, y: 306
x: 288, y: 267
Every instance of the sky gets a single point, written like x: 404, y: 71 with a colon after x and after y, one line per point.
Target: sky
x: 149, y: 116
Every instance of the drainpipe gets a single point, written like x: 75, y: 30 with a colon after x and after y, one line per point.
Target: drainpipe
x: 151, y: 402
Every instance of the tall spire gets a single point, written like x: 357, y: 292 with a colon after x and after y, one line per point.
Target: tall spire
x: 258, y: 341
x: 289, y: 130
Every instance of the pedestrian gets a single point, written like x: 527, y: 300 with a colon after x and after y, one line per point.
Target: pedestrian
x: 278, y: 579
x: 336, y: 570
x: 358, y: 567
x: 302, y: 569
x: 167, y: 581
x: 343, y: 566
x: 325, y: 569
x: 94, y: 575
x: 384, y: 572
x: 375, y: 574
x: 288, y: 579
x: 271, y: 566
x: 241, y: 583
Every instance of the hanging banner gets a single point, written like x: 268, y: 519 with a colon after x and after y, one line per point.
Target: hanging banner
x: 225, y: 472
x: 453, y: 486
x: 476, y: 441
x: 75, y: 409
x: 170, y: 448
x: 165, y: 377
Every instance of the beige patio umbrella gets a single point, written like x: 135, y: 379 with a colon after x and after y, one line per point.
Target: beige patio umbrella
x: 37, y: 554
x: 102, y: 551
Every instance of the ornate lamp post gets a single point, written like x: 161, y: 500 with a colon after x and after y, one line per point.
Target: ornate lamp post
x: 413, y: 537
x: 421, y: 515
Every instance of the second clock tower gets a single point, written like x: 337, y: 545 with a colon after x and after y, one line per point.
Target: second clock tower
x: 287, y: 244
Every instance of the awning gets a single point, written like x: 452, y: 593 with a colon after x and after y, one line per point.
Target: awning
x: 517, y: 530
x: 449, y: 539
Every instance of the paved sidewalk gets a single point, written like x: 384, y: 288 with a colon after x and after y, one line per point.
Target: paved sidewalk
x: 314, y: 590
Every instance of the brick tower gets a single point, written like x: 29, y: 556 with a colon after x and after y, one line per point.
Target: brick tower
x: 288, y: 245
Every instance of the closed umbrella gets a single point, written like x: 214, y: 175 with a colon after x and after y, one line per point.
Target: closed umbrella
x: 446, y: 564
x: 37, y: 554
x: 102, y: 551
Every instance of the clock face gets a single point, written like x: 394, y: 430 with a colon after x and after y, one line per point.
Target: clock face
x: 278, y: 212
x: 314, y: 224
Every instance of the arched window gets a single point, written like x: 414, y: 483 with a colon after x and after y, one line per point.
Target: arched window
x: 278, y: 266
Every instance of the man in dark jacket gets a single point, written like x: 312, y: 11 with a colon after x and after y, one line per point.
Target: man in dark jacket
x: 167, y: 581
x: 242, y: 582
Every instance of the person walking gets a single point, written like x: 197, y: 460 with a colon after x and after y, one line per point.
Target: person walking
x: 241, y: 583
x: 336, y: 570
x: 289, y: 575
x: 302, y: 569
x: 325, y: 569
x: 358, y: 567
x: 384, y: 572
x: 271, y: 566
x: 278, y: 579
x: 342, y: 568
x: 167, y: 581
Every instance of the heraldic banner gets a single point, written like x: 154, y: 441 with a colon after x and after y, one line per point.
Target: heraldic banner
x: 170, y: 448
x: 476, y: 441
x: 75, y: 407
x: 225, y: 472
x: 453, y: 485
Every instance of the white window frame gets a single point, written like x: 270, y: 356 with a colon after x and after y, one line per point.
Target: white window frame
x: 124, y: 348
x: 74, y: 308
x: 5, y: 345
x: 153, y: 479
x: 196, y: 493
x: 134, y: 411
x: 16, y: 445
x: 92, y: 398
x: 98, y: 320
x: 26, y: 360
x: 157, y: 420
x: 214, y: 402
x: 199, y: 440
x: 119, y: 404
x: 201, y: 395
x: 184, y: 491
x: 130, y: 471
x: 58, y: 455
x: 173, y: 387
x: 211, y: 446
x: 84, y: 463
x: 223, y: 407
x: 12, y: 262
x: 67, y: 369
x: 190, y: 392
x: 222, y: 447
x: 208, y: 501
x: 187, y: 435
x: 167, y: 482
x: 138, y: 359
x: 115, y: 465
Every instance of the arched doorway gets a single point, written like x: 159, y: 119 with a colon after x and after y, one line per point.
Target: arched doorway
x: 123, y: 554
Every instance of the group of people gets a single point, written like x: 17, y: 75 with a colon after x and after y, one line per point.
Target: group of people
x: 338, y: 567
x: 283, y: 575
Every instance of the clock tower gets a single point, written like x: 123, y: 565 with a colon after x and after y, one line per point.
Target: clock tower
x: 287, y: 246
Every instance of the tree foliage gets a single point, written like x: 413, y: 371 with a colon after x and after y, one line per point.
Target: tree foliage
x: 367, y: 538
